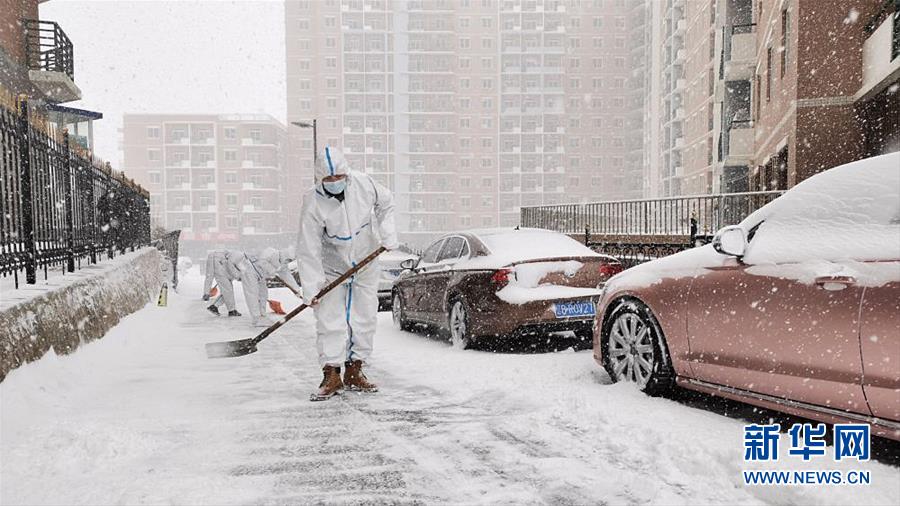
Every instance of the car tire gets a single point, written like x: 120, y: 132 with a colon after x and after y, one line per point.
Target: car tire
x: 458, y: 324
x: 634, y: 349
x: 397, y: 312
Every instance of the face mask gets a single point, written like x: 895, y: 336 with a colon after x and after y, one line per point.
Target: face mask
x: 335, y: 187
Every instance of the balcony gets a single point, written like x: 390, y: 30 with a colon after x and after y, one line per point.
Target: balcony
x: 881, y: 57
x: 740, y: 144
x: 740, y: 53
x: 51, y: 63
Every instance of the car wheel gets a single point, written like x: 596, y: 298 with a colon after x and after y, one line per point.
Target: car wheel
x: 633, y: 349
x: 458, y: 324
x: 400, y: 320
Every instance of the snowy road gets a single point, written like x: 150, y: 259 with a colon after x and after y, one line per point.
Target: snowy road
x: 143, y: 417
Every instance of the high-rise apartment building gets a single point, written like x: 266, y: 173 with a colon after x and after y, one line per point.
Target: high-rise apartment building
x: 759, y: 95
x: 218, y: 178
x: 666, y: 92
x: 469, y: 109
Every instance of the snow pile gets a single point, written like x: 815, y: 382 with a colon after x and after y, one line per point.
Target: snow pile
x: 530, y: 275
x: 851, y: 212
x: 514, y: 294
x: 525, y: 286
x: 66, y: 311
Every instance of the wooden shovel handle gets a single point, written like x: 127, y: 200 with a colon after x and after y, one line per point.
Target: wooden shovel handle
x: 343, y: 277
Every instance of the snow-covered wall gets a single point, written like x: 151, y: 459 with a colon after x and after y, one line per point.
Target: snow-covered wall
x: 80, y: 309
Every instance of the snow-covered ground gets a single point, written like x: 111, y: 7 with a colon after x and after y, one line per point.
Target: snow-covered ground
x: 142, y: 416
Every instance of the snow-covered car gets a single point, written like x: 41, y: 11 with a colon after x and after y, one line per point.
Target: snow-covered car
x: 488, y: 284
x: 795, y: 309
x: 390, y: 270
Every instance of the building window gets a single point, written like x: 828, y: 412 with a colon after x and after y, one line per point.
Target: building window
x: 231, y: 178
x: 768, y: 74
x: 230, y: 133
x: 153, y: 132
x: 155, y: 177
x: 785, y: 26
x: 757, y: 96
x: 231, y: 221
x: 230, y: 155
x: 153, y: 155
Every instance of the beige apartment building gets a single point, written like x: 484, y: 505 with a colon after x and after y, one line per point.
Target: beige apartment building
x: 773, y: 91
x: 469, y: 109
x: 220, y: 179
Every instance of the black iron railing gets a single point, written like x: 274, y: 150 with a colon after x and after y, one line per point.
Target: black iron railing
x: 58, y: 206
x: 666, y: 216
x: 640, y: 230
x: 48, y: 48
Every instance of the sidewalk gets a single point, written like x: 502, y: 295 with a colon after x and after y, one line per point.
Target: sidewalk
x: 142, y: 416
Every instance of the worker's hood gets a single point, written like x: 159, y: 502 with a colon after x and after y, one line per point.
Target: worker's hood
x: 331, y: 162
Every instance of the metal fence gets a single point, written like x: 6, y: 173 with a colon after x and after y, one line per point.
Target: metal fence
x: 58, y: 206
x: 685, y: 216
x: 639, y: 230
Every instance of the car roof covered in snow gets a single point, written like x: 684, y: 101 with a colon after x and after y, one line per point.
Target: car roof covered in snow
x: 849, y: 212
x: 507, y: 245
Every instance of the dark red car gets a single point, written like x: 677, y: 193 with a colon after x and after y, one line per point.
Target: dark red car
x: 486, y: 284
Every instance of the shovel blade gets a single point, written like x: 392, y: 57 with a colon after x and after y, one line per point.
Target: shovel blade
x: 276, y: 308
x: 228, y: 349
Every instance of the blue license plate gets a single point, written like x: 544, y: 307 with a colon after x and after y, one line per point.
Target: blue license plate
x: 574, y: 309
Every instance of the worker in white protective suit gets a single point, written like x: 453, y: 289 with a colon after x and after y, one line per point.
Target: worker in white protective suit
x: 255, y: 270
x: 223, y: 267
x: 346, y: 216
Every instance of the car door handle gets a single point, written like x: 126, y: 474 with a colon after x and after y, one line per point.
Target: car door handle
x: 834, y: 283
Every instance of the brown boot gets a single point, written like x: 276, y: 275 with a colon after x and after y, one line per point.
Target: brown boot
x: 331, y: 384
x: 354, y: 378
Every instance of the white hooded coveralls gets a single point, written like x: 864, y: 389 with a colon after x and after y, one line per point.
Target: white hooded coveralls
x: 256, y: 269
x: 334, y: 236
x: 222, y: 265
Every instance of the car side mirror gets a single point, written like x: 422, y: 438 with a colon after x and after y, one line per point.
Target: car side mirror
x: 730, y: 241
x: 408, y: 264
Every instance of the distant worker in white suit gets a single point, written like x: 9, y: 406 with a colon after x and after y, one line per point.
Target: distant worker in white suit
x: 344, y: 217
x: 255, y: 270
x: 223, y: 267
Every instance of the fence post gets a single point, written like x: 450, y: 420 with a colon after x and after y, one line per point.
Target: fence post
x: 92, y: 205
x: 27, y: 194
x: 70, y: 205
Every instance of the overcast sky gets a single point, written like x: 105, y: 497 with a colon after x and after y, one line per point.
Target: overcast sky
x: 173, y: 56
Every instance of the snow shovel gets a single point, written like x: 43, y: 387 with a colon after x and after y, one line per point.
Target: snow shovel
x: 243, y: 347
x: 275, y: 305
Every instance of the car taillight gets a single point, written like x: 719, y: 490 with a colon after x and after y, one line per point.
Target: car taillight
x: 501, y: 277
x: 610, y: 270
